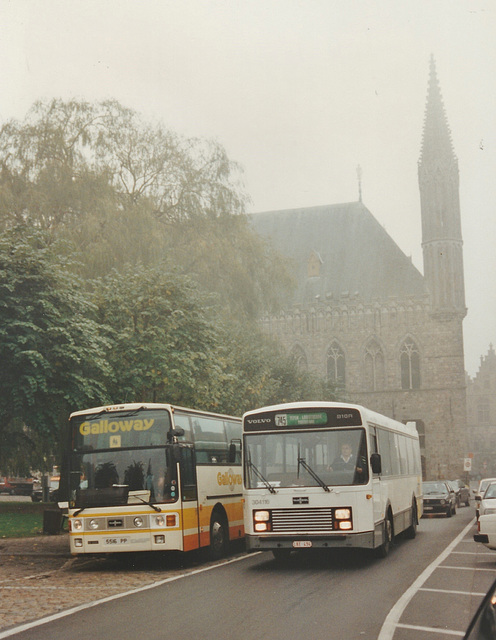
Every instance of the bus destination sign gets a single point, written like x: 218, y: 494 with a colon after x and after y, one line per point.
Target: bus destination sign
x: 299, y: 419
x: 317, y: 418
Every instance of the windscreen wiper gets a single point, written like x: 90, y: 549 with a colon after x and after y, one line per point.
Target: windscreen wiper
x: 157, y: 509
x: 312, y: 473
x: 260, y: 476
x: 93, y: 416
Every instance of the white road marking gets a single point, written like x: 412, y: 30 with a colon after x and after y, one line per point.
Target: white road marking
x: 89, y: 605
x: 445, y: 632
x: 461, y: 593
x: 392, y: 620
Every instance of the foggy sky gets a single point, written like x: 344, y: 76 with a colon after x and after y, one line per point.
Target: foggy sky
x: 298, y: 92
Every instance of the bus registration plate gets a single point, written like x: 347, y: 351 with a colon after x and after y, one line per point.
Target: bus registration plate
x: 302, y: 544
x: 115, y: 541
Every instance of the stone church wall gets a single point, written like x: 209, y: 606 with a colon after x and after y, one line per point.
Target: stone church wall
x: 438, y: 405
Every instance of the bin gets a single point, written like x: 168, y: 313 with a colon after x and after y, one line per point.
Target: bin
x: 52, y: 521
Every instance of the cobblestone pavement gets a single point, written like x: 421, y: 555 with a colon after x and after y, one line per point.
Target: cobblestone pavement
x: 39, y: 577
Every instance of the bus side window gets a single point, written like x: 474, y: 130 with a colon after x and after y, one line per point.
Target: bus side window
x: 210, y: 440
x: 233, y: 433
x: 384, y: 450
x: 182, y: 421
x: 395, y: 453
x: 373, y: 440
x: 403, y: 454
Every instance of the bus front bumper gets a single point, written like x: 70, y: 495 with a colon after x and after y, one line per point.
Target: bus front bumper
x: 364, y: 540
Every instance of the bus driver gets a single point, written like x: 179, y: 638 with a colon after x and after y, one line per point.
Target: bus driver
x: 346, y: 461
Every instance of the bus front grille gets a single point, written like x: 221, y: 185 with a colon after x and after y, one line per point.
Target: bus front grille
x: 301, y: 520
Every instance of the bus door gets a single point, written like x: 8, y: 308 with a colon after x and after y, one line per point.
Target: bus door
x: 189, y: 498
x: 378, y: 488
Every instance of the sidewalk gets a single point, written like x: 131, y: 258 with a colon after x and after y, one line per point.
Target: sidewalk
x: 42, y: 545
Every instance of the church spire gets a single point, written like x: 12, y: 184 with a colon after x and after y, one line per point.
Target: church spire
x: 440, y: 208
x: 436, y: 139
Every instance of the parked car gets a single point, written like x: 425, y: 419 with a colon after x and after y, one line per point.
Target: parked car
x: 479, y: 492
x: 439, y: 497
x: 488, y: 503
x: 486, y: 530
x: 483, y: 624
x: 451, y: 484
x: 464, y: 492
x: 6, y: 487
x: 16, y: 486
x: 53, y: 486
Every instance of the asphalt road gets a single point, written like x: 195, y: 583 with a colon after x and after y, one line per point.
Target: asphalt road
x: 328, y: 595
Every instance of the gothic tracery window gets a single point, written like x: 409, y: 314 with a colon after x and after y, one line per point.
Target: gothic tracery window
x: 300, y: 358
x: 410, y: 365
x: 374, y: 369
x: 336, y: 365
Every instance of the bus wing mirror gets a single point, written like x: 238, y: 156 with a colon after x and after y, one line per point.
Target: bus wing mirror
x: 174, y: 434
x: 375, y: 463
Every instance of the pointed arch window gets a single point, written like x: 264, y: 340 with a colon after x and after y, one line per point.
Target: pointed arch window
x: 336, y: 365
x: 374, y: 369
x: 410, y: 365
x: 299, y: 358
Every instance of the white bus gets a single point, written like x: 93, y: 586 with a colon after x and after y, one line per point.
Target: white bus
x: 152, y: 477
x: 302, y: 490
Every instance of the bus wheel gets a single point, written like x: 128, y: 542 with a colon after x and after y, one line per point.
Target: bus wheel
x: 218, y: 536
x: 383, y: 550
x: 281, y: 555
x: 411, y: 532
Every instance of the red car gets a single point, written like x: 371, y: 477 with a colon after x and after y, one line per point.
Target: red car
x: 6, y: 487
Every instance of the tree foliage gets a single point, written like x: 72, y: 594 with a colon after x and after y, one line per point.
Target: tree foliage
x: 163, y: 343
x: 50, y: 347
x: 128, y: 272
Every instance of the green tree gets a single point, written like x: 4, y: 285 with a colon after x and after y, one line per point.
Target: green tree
x: 163, y: 342
x: 126, y: 191
x: 50, y: 346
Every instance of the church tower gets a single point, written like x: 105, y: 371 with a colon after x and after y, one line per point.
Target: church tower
x: 440, y: 209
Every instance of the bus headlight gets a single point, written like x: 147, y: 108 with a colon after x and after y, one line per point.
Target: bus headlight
x: 342, y: 519
x: 261, y: 516
x: 261, y: 521
x: 159, y: 521
x: 93, y: 524
x: 77, y: 524
x: 138, y: 521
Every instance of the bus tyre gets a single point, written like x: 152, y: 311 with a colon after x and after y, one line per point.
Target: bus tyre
x: 411, y: 532
x: 218, y: 536
x: 383, y: 550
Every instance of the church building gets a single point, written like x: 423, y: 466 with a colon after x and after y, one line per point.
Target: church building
x: 389, y: 337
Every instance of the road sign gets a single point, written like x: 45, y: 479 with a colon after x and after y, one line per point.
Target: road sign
x: 467, y: 464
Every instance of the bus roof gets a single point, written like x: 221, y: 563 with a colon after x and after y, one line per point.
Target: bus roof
x: 367, y: 414
x: 135, y: 406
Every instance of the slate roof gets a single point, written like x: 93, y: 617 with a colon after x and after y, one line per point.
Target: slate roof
x: 358, y: 256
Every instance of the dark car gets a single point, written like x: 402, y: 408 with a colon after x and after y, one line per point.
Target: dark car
x: 462, y: 492
x: 483, y: 625
x: 53, y: 486
x: 439, y: 497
